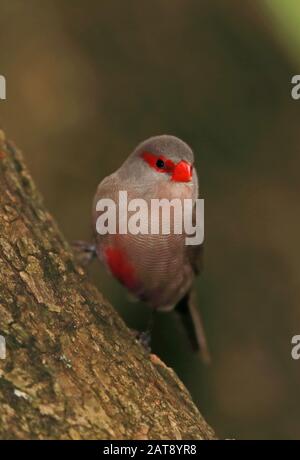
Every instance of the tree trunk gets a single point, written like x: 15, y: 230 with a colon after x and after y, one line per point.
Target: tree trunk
x: 72, y: 370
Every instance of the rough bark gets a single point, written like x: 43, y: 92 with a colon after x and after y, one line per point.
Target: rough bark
x: 73, y: 369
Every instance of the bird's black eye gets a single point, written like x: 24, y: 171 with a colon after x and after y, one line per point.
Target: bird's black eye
x: 160, y: 163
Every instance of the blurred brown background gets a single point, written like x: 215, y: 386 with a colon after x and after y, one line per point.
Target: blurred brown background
x: 88, y: 80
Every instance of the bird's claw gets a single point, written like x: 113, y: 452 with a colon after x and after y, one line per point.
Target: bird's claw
x: 84, y: 251
x: 144, y: 337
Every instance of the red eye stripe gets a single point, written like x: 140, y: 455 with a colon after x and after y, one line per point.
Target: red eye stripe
x: 151, y: 159
x: 169, y: 165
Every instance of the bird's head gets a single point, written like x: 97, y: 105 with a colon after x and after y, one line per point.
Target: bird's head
x: 161, y: 158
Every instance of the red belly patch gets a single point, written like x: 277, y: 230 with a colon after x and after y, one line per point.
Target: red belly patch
x: 120, y: 267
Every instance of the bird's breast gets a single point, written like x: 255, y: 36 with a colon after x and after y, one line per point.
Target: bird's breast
x: 154, y: 267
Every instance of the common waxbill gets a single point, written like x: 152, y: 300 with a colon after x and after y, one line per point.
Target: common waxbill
x: 158, y: 269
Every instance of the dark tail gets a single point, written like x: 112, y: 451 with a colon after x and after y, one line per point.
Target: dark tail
x: 191, y: 319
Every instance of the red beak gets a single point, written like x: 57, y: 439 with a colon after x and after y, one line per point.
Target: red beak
x: 183, y: 172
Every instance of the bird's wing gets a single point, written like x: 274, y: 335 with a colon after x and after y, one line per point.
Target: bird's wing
x: 195, y: 257
x: 188, y: 309
x: 195, y: 252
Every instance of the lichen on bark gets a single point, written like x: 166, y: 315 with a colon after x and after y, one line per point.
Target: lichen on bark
x: 73, y: 370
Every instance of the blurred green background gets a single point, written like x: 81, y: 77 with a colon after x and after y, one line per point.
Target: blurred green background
x: 88, y: 80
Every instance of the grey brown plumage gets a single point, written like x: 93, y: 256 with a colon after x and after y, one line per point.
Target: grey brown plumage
x: 163, y: 266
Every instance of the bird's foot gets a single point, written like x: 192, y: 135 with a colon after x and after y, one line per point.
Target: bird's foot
x: 84, y: 252
x: 144, y: 337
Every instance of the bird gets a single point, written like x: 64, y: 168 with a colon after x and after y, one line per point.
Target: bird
x: 158, y: 269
